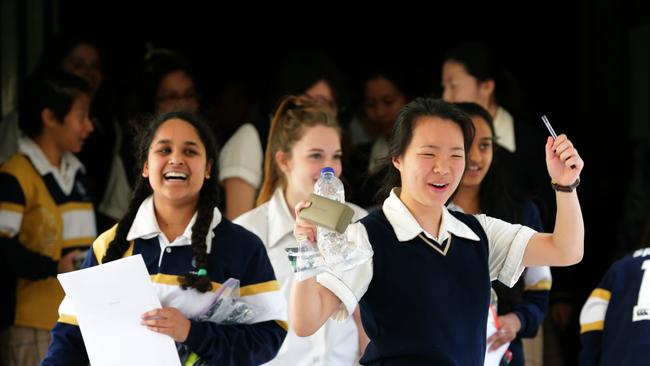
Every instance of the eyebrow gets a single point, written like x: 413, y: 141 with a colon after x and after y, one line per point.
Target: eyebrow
x: 321, y: 150
x: 438, y: 147
x: 168, y: 141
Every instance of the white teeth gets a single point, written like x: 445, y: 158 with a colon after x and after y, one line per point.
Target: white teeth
x: 473, y: 168
x: 439, y: 185
x: 176, y: 175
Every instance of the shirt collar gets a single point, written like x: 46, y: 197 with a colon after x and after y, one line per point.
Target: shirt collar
x: 65, y: 176
x: 406, y: 227
x: 281, y: 221
x: 504, y: 126
x: 145, y: 226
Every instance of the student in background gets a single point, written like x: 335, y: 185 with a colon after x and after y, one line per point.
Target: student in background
x: 242, y: 158
x: 384, y: 94
x: 46, y: 215
x: 615, y: 320
x: 304, y: 138
x: 522, y: 308
x: 472, y: 73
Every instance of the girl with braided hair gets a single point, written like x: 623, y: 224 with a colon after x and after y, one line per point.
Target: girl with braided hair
x: 189, y: 250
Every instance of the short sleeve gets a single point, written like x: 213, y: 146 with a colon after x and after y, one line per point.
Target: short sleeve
x: 242, y: 157
x: 507, y: 243
x: 349, y: 286
x: 12, y: 205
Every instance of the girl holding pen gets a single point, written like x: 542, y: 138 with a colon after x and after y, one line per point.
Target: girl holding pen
x: 424, y: 294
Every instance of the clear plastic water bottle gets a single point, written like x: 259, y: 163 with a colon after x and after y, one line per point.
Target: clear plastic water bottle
x: 330, y: 243
x: 337, y: 251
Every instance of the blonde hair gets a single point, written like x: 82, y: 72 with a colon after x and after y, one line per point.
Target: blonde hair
x: 291, y: 117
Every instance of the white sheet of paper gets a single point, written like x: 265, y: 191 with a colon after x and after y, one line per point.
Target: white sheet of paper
x: 493, y: 358
x: 108, y: 301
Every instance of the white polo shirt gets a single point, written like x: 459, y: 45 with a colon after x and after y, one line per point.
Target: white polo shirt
x: 507, y: 244
x: 336, y: 343
x: 242, y: 156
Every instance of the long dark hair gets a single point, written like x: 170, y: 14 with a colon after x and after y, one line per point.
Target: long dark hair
x: 403, y: 133
x: 494, y: 196
x: 208, y: 199
x: 483, y: 63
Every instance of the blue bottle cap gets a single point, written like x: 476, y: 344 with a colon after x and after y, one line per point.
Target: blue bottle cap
x: 327, y: 169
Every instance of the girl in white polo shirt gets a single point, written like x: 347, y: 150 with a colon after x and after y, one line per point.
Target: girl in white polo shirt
x: 424, y: 293
x: 304, y: 138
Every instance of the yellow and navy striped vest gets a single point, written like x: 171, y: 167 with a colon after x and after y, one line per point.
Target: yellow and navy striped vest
x: 45, y: 220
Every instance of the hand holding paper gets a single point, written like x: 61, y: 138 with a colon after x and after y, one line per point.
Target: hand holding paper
x: 108, y: 301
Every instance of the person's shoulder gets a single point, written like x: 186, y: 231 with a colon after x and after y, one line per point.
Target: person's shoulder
x: 18, y: 173
x: 253, y: 217
x: 632, y: 259
x: 100, y: 245
x: 359, y: 212
x: 374, y: 220
x: 464, y: 217
x: 16, y: 164
x: 234, y: 235
x: 247, y: 132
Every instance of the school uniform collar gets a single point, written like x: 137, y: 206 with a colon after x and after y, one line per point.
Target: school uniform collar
x: 64, y: 177
x: 145, y: 226
x: 280, y: 219
x: 504, y: 126
x: 406, y: 228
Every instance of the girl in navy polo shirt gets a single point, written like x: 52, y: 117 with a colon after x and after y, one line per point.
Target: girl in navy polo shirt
x: 424, y: 293
x: 189, y: 250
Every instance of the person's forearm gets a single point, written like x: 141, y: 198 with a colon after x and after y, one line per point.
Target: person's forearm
x: 25, y: 263
x: 569, y: 233
x: 306, y: 307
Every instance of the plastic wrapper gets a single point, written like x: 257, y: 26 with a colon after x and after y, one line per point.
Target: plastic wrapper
x: 306, y: 260
x: 226, y: 308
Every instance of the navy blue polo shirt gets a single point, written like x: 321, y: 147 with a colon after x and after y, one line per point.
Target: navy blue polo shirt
x: 615, y: 320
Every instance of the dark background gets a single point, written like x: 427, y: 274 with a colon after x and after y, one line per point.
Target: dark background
x: 582, y: 63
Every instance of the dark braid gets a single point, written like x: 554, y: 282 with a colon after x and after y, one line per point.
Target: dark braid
x: 144, y: 133
x: 120, y: 245
x: 207, y: 203
x: 208, y: 200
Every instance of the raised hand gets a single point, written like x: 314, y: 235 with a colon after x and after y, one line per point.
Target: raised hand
x: 563, y: 161
x: 303, y: 228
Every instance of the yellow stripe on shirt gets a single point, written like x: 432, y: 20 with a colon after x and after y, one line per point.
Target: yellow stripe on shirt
x: 602, y: 294
x: 543, y: 285
x: 284, y: 325
x: 173, y: 280
x: 259, y: 288
x: 589, y: 327
x: 13, y: 207
x: 68, y: 319
x: 76, y: 206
